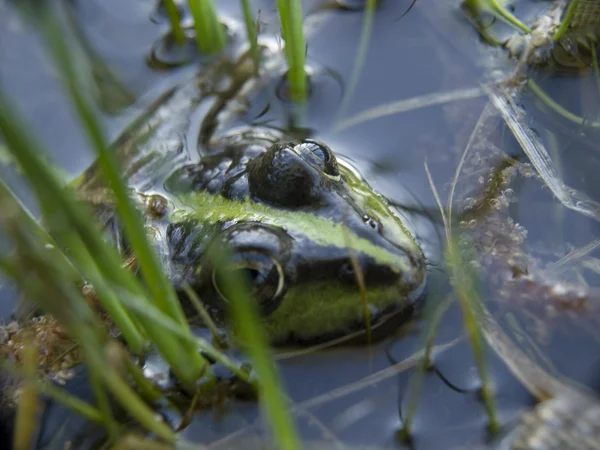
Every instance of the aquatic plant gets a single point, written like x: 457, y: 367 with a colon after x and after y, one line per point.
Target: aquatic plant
x: 290, y: 17
x: 361, y: 54
x: 174, y: 21
x: 251, y: 33
x: 210, y: 33
x: 148, y: 313
x: 57, y: 294
x: 497, y: 8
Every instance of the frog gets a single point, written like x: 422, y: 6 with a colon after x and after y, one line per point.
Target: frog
x: 311, y: 237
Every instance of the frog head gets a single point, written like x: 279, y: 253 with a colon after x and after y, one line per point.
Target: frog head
x: 310, y: 236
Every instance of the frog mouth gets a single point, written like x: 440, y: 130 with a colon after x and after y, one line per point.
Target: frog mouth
x: 383, y: 325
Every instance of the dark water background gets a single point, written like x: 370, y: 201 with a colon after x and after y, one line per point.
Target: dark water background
x: 432, y: 49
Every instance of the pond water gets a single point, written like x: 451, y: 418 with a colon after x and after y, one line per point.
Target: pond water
x: 434, y: 56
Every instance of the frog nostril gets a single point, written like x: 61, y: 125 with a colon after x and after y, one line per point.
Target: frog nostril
x: 373, y: 223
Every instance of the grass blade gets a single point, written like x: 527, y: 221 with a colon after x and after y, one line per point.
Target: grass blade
x: 174, y: 21
x: 57, y: 207
x: 361, y: 54
x: 290, y: 16
x: 249, y: 331
x: 29, y: 402
x: 63, y: 397
x: 251, y: 34
x: 191, y: 364
x: 210, y: 35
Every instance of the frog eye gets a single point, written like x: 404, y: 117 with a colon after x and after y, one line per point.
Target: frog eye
x: 291, y: 174
x: 319, y: 156
x: 373, y: 223
x: 263, y: 273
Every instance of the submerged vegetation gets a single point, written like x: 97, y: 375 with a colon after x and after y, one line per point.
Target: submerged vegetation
x: 80, y: 281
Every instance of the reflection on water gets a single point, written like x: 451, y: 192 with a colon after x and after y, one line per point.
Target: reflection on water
x: 538, y: 260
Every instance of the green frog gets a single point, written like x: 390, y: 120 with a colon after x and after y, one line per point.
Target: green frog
x: 298, y: 221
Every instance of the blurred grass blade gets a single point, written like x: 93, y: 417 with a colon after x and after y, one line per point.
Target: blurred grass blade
x: 29, y: 402
x: 432, y: 319
x: 69, y: 222
x: 189, y: 364
x: 158, y: 319
x: 251, y: 33
x: 136, y: 407
x: 497, y: 9
x: 359, y: 60
x: 41, y: 278
x: 210, y: 33
x: 148, y: 262
x: 63, y: 397
x: 108, y: 92
x: 464, y: 283
x: 175, y: 21
x: 203, y: 313
x: 290, y: 16
x: 251, y: 334
x: 58, y: 208
x: 568, y: 18
x: 45, y: 280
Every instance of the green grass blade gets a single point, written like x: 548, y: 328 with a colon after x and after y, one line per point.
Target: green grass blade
x: 61, y: 396
x: 464, y: 284
x: 361, y: 54
x: 249, y: 331
x: 132, y: 222
x: 29, y: 403
x: 175, y: 21
x: 47, y: 280
x: 38, y: 276
x: 290, y: 16
x: 251, y: 34
x: 210, y: 34
x: 69, y: 220
x: 162, y: 291
x: 157, y: 319
x: 564, y: 26
x: 135, y: 406
x: 202, y: 312
x: 416, y: 382
x: 95, y: 377
x: 57, y: 207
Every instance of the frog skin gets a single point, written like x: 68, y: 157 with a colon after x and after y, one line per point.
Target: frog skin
x: 291, y: 215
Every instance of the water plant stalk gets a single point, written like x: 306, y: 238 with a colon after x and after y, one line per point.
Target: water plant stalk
x: 464, y: 284
x: 29, y: 402
x: 564, y: 26
x: 290, y: 17
x: 175, y: 21
x: 359, y: 60
x: 81, y: 407
x: 251, y: 33
x: 497, y: 9
x: 53, y: 203
x: 558, y: 108
x: 202, y: 312
x: 249, y: 331
x: 187, y: 363
x: 467, y: 293
x: 41, y: 278
x: 416, y: 382
x: 210, y: 34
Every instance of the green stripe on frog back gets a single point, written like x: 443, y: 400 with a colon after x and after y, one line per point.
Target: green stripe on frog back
x: 214, y: 208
